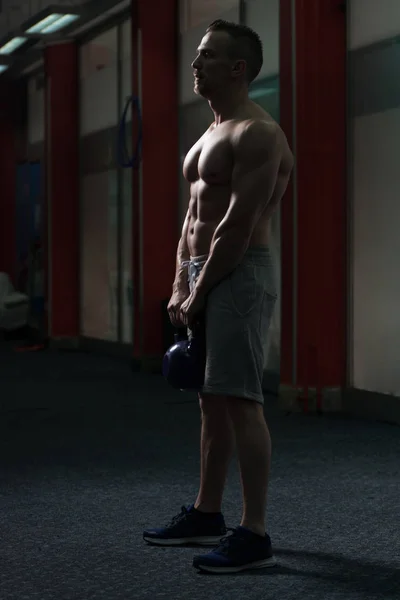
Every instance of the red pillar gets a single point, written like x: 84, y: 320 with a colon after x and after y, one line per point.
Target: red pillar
x: 313, y: 115
x: 156, y: 212
x: 62, y: 194
x: 8, y: 159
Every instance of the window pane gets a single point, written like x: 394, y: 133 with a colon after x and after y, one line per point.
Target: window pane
x: 127, y: 290
x: 99, y: 82
x: 263, y: 17
x: 99, y: 295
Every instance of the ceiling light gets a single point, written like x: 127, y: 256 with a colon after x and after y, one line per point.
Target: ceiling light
x: 51, y: 19
x: 60, y: 23
x: 52, y: 23
x: 43, y: 23
x: 3, y: 68
x: 12, y: 45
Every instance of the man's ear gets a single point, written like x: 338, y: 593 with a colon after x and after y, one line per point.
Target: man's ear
x: 239, y: 68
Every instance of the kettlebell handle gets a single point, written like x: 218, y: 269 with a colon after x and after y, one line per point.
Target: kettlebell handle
x: 180, y: 335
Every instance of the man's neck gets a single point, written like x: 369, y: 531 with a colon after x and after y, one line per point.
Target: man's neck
x: 229, y: 107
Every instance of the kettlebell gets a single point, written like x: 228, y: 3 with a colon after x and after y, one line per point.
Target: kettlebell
x: 184, y: 363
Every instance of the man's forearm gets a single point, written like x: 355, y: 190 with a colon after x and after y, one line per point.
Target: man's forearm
x: 181, y: 272
x: 226, y: 253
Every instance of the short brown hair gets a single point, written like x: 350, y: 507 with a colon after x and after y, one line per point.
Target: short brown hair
x: 246, y: 44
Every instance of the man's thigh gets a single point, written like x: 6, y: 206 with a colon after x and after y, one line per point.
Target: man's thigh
x: 235, y: 339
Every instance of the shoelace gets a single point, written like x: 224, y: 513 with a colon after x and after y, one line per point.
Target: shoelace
x: 229, y: 541
x: 180, y: 517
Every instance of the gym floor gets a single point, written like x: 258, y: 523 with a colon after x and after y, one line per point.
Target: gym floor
x: 91, y: 454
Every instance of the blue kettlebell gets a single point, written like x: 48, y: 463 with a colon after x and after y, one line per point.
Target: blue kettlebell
x: 184, y: 363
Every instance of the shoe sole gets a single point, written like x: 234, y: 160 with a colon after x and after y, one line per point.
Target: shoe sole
x: 198, y: 541
x: 260, y: 564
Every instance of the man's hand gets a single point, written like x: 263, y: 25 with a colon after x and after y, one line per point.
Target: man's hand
x: 192, y: 307
x: 174, y: 307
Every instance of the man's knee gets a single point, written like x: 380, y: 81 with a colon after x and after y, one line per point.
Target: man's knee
x: 210, y: 404
x: 242, y: 409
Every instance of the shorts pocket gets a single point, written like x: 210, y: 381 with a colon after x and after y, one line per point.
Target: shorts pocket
x: 246, y: 292
x: 267, y: 311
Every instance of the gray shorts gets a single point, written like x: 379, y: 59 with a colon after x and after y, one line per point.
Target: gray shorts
x: 238, y: 315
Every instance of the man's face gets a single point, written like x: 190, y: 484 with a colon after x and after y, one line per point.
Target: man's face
x: 213, y: 68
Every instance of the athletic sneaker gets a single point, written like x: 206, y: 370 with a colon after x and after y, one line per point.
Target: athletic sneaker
x: 189, y: 527
x: 238, y: 552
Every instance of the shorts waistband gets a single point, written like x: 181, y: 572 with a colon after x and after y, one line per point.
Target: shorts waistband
x: 251, y: 250
x: 199, y: 260
x: 258, y: 251
x: 253, y: 253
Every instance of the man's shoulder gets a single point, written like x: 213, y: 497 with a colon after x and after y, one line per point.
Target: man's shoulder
x: 257, y: 136
x: 261, y: 129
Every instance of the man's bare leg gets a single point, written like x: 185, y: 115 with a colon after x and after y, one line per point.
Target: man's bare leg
x: 253, y: 444
x: 216, y: 450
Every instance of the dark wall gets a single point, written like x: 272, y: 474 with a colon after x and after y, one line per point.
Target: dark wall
x: 98, y: 151
x: 35, y: 152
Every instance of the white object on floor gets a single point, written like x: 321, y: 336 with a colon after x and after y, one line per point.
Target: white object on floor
x: 14, y: 307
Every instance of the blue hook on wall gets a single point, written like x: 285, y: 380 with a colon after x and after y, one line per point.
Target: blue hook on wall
x: 123, y: 158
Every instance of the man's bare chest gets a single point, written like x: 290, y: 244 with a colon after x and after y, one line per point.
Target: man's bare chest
x: 210, y: 159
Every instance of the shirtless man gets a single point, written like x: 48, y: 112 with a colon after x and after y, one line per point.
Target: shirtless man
x: 238, y: 172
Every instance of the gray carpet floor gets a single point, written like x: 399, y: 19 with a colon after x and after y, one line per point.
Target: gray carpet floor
x: 92, y: 453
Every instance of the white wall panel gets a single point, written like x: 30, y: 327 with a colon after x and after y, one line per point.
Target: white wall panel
x: 99, y: 83
x: 202, y: 12
x: 99, y: 101
x: 372, y: 21
x: 376, y: 252
x: 36, y: 110
x: 263, y: 17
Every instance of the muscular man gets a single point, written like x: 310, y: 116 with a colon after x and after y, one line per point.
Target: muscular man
x: 238, y: 172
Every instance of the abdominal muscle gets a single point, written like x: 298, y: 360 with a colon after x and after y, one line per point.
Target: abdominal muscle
x: 207, y: 207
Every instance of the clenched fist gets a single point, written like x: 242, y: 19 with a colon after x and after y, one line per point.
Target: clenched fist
x: 174, y: 307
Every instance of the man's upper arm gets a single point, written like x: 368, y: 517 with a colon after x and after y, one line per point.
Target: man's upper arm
x: 257, y: 161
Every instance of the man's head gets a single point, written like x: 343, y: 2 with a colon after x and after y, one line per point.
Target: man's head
x: 229, y: 54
